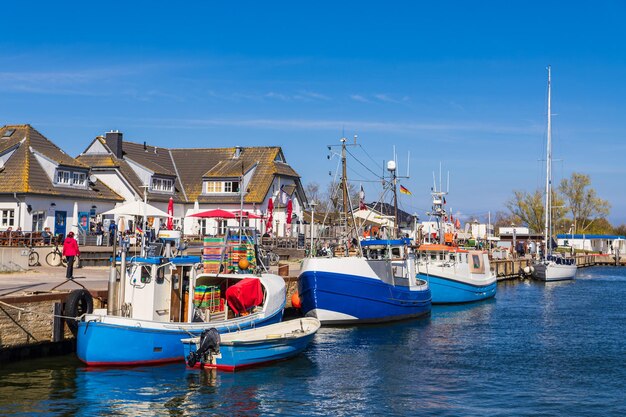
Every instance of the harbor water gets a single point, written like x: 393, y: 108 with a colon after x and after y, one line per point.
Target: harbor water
x: 536, y: 349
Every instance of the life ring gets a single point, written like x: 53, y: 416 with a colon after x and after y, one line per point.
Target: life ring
x: 78, y: 302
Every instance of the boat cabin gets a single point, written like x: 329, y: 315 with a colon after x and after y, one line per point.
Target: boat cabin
x: 170, y: 290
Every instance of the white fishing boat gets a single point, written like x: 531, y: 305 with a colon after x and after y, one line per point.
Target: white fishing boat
x: 164, y: 299
x: 551, y: 267
x: 454, y: 274
x: 377, y: 283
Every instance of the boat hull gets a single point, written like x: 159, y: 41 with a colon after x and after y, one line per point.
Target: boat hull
x: 452, y: 291
x: 234, y: 356
x: 554, y: 272
x: 104, y: 344
x: 336, y: 298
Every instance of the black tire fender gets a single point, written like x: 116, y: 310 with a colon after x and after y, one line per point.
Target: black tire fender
x: 78, y: 302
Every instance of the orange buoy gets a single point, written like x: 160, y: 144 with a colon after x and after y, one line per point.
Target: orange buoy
x: 243, y: 264
x: 295, y: 300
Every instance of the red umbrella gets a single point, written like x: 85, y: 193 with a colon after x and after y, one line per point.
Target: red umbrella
x: 246, y: 214
x: 270, y: 215
x: 289, y: 210
x: 217, y: 213
x: 170, y: 211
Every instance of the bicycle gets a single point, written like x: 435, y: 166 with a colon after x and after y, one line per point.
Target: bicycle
x: 33, y: 256
x: 56, y: 258
x: 269, y: 257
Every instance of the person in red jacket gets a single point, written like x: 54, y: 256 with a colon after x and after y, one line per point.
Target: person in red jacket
x: 70, y: 251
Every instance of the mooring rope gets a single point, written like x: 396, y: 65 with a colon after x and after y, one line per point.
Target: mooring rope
x: 24, y: 310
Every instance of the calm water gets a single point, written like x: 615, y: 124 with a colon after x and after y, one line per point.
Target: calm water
x: 537, y: 349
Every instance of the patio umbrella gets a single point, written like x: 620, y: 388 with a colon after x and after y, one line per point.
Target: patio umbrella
x: 214, y: 214
x: 270, y: 216
x: 136, y: 208
x: 246, y: 214
x: 170, y: 212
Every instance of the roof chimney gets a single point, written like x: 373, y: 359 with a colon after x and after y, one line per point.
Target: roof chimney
x: 114, y: 142
x: 237, y: 152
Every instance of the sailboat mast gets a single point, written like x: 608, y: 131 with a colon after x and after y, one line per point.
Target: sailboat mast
x: 548, y: 208
x: 344, y: 178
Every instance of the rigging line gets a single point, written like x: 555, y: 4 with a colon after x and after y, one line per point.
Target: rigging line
x: 362, y: 164
x: 369, y: 156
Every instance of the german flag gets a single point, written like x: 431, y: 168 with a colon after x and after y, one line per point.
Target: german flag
x: 404, y: 190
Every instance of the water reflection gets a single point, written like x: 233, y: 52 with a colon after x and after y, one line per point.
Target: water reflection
x: 555, y: 348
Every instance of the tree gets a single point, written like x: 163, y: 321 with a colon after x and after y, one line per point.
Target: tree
x: 582, y: 201
x: 620, y: 230
x: 503, y: 219
x: 528, y: 209
x: 600, y: 227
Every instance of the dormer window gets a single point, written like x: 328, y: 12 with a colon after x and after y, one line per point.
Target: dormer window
x: 221, y: 187
x: 68, y: 178
x: 79, y: 178
x: 64, y: 177
x: 163, y: 185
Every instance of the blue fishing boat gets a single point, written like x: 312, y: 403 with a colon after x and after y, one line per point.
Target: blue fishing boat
x: 379, y: 286
x: 162, y: 299
x: 248, y: 348
x: 364, y: 281
x: 454, y: 274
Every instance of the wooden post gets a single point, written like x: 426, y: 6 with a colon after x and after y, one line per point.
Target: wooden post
x: 57, y: 323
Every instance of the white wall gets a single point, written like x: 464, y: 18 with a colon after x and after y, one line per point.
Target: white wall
x: 115, y: 182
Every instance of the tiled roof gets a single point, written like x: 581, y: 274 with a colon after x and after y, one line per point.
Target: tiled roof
x: 160, y: 163
x: 22, y: 172
x: 99, y: 160
x: 191, y: 165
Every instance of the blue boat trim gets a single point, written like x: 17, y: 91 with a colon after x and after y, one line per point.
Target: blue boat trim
x: 367, y: 300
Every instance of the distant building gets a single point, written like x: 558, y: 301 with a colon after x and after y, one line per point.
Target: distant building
x: 606, y: 244
x: 200, y: 179
x: 41, y: 186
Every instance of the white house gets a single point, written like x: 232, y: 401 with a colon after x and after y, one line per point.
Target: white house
x: 606, y: 244
x: 200, y: 179
x: 41, y: 186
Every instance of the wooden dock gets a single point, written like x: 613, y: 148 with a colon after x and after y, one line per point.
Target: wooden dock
x: 514, y: 268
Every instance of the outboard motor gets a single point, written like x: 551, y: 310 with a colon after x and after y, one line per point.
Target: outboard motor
x: 209, y: 345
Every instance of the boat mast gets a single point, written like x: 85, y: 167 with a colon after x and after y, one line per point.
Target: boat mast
x: 548, y: 223
x: 344, y: 178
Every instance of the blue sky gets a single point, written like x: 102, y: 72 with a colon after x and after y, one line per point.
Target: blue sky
x: 459, y: 83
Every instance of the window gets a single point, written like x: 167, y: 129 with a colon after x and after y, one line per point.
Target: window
x: 63, y: 177
x: 213, y: 187
x: 221, y: 227
x: 8, y: 133
x: 39, y: 217
x: 231, y: 187
x: 78, y: 178
x: 163, y: 185
x: 8, y: 218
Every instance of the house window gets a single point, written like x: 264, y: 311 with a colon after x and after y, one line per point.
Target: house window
x: 63, y: 177
x: 221, y: 227
x: 78, y: 178
x: 8, y: 218
x: 39, y: 217
x: 163, y: 185
x: 213, y: 187
x: 231, y: 187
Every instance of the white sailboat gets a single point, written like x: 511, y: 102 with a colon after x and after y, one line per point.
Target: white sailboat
x: 552, y: 267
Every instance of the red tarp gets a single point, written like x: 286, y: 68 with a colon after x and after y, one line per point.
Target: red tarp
x: 245, y: 294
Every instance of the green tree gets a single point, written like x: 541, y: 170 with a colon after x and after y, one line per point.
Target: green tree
x: 529, y: 209
x: 600, y: 227
x: 582, y: 202
x: 620, y: 230
x: 503, y: 219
